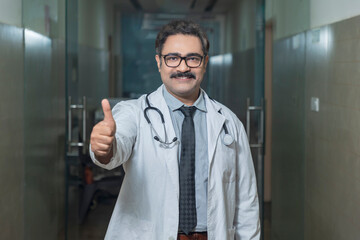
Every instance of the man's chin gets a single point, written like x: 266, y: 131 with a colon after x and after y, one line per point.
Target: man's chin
x: 184, y: 79
x: 185, y: 92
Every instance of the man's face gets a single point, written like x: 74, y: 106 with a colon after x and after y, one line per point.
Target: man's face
x: 183, y: 82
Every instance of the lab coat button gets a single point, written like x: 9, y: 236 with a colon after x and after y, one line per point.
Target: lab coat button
x: 171, y: 238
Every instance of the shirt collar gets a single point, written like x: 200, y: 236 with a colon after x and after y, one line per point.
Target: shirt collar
x: 174, y: 103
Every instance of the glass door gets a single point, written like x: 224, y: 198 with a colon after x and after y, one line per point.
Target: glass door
x: 42, y: 48
x: 87, y: 82
x: 74, y: 147
x: 241, y: 71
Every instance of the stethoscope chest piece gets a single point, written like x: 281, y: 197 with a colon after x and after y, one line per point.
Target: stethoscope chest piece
x: 228, y: 139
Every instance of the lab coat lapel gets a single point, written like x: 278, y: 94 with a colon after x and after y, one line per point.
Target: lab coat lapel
x: 171, y: 154
x: 215, y: 122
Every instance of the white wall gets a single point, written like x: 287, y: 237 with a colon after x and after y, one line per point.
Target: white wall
x: 294, y: 16
x: 10, y: 12
x: 289, y: 16
x: 42, y: 16
x: 323, y: 12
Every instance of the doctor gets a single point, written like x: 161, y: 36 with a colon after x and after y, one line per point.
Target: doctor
x: 189, y: 172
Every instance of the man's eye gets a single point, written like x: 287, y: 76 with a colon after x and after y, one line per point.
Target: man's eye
x: 172, y: 58
x: 193, y: 59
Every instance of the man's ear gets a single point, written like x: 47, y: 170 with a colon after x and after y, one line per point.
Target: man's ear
x: 158, y: 61
x: 206, y: 59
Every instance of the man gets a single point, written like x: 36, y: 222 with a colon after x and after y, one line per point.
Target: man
x: 188, y: 167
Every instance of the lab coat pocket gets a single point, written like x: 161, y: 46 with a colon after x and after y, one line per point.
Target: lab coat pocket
x: 130, y: 227
x: 228, y: 164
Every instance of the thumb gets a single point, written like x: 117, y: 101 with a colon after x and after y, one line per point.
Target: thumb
x: 107, y: 110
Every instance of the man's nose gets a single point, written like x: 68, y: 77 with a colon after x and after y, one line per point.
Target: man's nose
x: 183, y: 67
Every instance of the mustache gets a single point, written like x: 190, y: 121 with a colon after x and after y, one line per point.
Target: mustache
x: 183, y: 74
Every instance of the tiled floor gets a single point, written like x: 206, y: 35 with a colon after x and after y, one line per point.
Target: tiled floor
x: 96, y: 222
x: 267, y: 221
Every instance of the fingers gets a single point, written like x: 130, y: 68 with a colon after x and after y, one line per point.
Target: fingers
x: 105, y: 128
x: 102, y: 150
x: 102, y: 132
x: 103, y: 140
x: 101, y: 145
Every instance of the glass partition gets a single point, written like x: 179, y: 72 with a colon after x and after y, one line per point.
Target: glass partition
x: 44, y: 114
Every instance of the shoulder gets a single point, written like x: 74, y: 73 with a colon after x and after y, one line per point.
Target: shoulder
x: 130, y: 108
x: 222, y: 109
x: 132, y: 103
x: 231, y: 117
x: 227, y: 111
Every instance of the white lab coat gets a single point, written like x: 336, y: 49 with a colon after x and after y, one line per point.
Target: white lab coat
x: 147, y: 205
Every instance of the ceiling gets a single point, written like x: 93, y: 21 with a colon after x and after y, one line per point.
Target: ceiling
x: 175, y: 6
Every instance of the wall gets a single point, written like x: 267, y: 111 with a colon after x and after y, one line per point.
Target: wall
x: 288, y: 134
x: 10, y: 12
x: 332, y: 161
x: 44, y: 136
x: 95, y: 27
x: 95, y: 23
x: 240, y: 26
x: 323, y: 12
x: 288, y: 17
x: 32, y: 90
x: 295, y: 16
x: 33, y: 96
x: 315, y: 154
x: 44, y: 16
x: 11, y: 130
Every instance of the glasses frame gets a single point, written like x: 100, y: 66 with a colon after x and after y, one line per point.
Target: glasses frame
x: 181, y: 59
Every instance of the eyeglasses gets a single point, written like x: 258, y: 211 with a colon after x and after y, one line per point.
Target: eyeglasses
x: 174, y: 61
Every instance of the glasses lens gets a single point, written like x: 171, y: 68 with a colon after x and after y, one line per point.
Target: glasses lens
x: 172, y: 61
x: 193, y: 61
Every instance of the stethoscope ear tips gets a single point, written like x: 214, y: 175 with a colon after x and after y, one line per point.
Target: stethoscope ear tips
x: 228, y: 139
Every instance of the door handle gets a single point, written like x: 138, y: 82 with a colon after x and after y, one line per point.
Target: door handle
x: 81, y: 107
x: 249, y: 109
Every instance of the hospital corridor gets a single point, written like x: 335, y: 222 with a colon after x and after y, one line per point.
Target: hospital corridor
x: 288, y: 69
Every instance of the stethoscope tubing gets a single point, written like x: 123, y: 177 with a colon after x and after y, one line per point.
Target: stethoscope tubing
x: 227, y: 139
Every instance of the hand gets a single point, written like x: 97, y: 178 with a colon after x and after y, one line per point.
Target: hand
x: 103, y: 134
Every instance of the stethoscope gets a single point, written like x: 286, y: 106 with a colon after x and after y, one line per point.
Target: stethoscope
x: 227, y: 138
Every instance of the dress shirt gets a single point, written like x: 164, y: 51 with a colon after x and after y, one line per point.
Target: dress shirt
x: 201, y: 151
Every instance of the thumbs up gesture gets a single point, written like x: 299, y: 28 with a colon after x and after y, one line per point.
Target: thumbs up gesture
x: 102, y: 135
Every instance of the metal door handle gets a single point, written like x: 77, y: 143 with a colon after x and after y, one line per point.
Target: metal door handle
x: 72, y: 143
x: 249, y: 108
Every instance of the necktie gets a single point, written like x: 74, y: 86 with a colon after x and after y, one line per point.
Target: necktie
x: 187, y: 204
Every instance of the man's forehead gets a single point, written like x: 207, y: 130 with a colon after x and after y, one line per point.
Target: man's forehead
x: 187, y: 55
x: 182, y: 44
